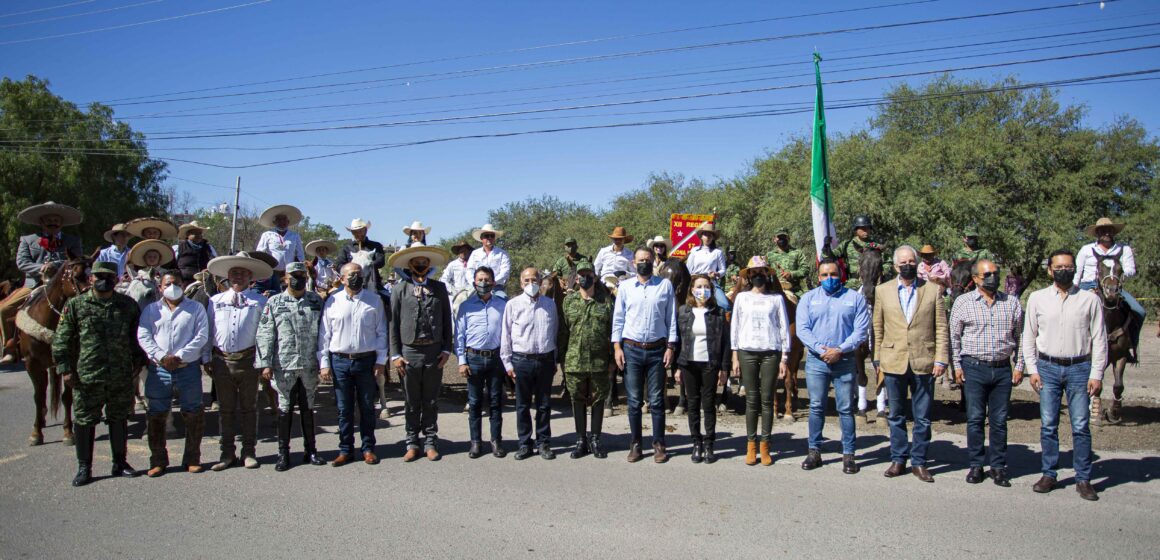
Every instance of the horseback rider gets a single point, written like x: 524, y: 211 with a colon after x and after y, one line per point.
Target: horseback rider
x: 565, y: 266
x: 193, y: 251
x: 849, y: 250
x: 455, y: 274
x: 1088, y: 267
x: 660, y: 251
x: 788, y: 262
x: 281, y: 242
x: 971, y: 250
x: 37, y: 254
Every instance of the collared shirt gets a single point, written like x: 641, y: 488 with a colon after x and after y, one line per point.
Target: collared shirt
x: 1065, y: 326
x: 353, y: 325
x: 114, y: 255
x: 1087, y: 260
x: 839, y: 321
x: 529, y: 327
x: 455, y: 276
x: 759, y: 323
x: 908, y: 298
x: 478, y: 325
x: 703, y: 260
x: 937, y: 269
x: 286, y: 247
x: 986, y: 332
x: 497, y: 260
x: 645, y: 312
x: 324, y: 273
x: 233, y: 320
x: 609, y: 261
x: 182, y: 331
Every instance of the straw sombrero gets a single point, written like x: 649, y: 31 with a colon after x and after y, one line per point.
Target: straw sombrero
x: 117, y: 228
x: 619, y: 232
x: 136, y: 256
x: 221, y: 266
x: 755, y: 262
x: 927, y: 250
x: 137, y: 227
x: 311, y: 248
x: 438, y: 256
x: 183, y: 231
x: 487, y: 228
x: 69, y: 216
x: 1104, y: 222
x: 292, y: 213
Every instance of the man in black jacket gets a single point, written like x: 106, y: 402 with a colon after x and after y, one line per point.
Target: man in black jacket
x: 364, y: 252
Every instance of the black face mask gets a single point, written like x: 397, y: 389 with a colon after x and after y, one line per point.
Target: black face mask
x: 782, y: 242
x: 644, y: 268
x: 297, y: 283
x: 355, y: 283
x: 1063, y: 278
x: 586, y: 282
x: 990, y: 282
x: 973, y: 243
x: 758, y: 280
x: 483, y: 288
x: 104, y: 283
x: 908, y: 271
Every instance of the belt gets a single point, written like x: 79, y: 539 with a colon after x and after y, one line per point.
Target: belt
x: 483, y: 353
x: 646, y: 345
x: 421, y: 342
x: 1066, y: 361
x: 543, y: 356
x: 1005, y: 362
x: 240, y: 354
x: 359, y: 356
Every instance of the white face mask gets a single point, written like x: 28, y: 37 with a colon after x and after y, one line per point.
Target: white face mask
x: 533, y: 289
x: 701, y: 294
x: 173, y: 292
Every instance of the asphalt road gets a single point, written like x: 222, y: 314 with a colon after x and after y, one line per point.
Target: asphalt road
x: 459, y: 507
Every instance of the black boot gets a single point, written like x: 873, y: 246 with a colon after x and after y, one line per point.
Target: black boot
x: 118, y: 443
x: 698, y: 451
x: 311, y: 451
x: 710, y: 457
x: 84, y: 444
x: 594, y: 433
x: 580, y: 419
x: 284, y: 423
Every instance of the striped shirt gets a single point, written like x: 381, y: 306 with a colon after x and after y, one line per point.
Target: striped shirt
x: 986, y: 332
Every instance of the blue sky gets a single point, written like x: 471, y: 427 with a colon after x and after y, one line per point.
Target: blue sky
x: 451, y: 185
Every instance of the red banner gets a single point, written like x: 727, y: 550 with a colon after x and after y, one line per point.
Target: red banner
x: 682, y: 232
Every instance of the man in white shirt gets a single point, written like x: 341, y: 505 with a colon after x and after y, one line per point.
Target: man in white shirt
x: 280, y: 241
x: 1106, y: 249
x: 173, y: 332
x: 528, y: 351
x: 229, y: 358
x: 491, y: 256
x: 455, y: 273
x: 615, y: 259
x: 352, y: 350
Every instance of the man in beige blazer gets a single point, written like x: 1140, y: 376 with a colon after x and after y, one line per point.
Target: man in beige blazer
x: 910, y: 328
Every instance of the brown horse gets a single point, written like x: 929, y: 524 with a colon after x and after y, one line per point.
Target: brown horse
x: 1117, y: 319
x: 869, y: 275
x: 36, y: 323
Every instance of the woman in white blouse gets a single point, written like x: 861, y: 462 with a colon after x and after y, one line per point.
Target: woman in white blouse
x: 703, y: 362
x: 759, y: 337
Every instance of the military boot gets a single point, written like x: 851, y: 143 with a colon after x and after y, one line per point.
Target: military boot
x: 580, y: 418
x: 194, y: 428
x: 284, y: 420
x: 308, y: 442
x: 84, y: 444
x: 158, y: 452
x: 119, y: 447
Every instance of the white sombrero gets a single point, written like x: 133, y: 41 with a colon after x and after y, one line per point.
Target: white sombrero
x: 183, y: 231
x: 659, y: 240
x: 136, y: 256
x: 358, y: 223
x: 1103, y: 222
x: 221, y: 266
x: 311, y: 248
x: 137, y: 227
x: 117, y: 228
x: 487, y: 228
x: 69, y: 216
x: 438, y: 256
x: 292, y: 213
x: 416, y: 226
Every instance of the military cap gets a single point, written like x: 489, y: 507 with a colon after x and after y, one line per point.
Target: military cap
x: 568, y: 240
x: 584, y: 265
x: 970, y: 232
x: 295, y: 267
x: 102, y: 267
x: 782, y: 231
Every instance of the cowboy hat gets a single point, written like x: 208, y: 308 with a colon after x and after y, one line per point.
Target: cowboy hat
x: 709, y: 228
x: 221, y: 266
x: 455, y: 249
x: 137, y: 227
x: 293, y: 214
x: 416, y: 226
x: 263, y: 256
x: 136, y: 256
x: 438, y: 256
x: 358, y: 223
x: 69, y: 216
x: 487, y: 228
x: 755, y: 262
x: 312, y: 247
x: 1104, y: 222
x: 117, y: 228
x: 658, y: 240
x: 619, y: 232
x: 927, y: 250
x: 183, y: 231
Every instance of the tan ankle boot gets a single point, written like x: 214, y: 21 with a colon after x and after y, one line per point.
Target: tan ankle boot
x: 751, y: 453
x: 765, y: 458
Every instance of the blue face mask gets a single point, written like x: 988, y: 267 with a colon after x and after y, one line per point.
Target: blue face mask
x: 831, y: 285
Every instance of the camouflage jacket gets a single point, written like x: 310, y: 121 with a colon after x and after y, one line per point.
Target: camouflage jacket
x: 99, y: 336
x: 792, y: 261
x: 563, y: 268
x: 288, y: 332
x: 586, y: 331
x: 731, y: 273
x: 964, y: 254
x: 849, y: 251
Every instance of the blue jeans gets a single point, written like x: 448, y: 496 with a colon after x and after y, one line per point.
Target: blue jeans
x: 354, y: 379
x: 1072, y: 380
x: 533, y: 388
x: 640, y: 367
x: 160, y: 384
x: 485, y: 372
x: 721, y: 299
x: 921, y: 390
x: 819, y: 376
x: 988, y: 393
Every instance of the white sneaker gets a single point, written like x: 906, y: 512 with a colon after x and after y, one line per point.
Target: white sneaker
x: 250, y: 463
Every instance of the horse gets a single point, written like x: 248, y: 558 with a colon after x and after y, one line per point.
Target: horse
x: 869, y: 275
x: 962, y: 281
x: 36, y: 324
x: 1117, y: 320
x: 796, y: 354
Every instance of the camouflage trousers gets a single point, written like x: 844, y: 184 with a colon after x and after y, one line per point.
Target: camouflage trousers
x: 284, y: 382
x: 116, y: 398
x: 587, y: 387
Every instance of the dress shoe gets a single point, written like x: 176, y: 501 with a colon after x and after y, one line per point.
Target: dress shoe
x: 8, y: 359
x: 476, y: 450
x: 412, y: 454
x: 370, y: 458
x: 523, y: 453
x: 1087, y: 491
x: 660, y: 455
x: 194, y: 469
x: 250, y: 462
x: 155, y: 472
x: 84, y: 475
x: 698, y: 452
x: 546, y: 452
x: 922, y: 474
x: 283, y: 463
x: 433, y: 454
x: 1045, y: 484
x: 497, y: 449
x: 312, y: 458
x: 710, y: 456
x: 634, y: 452
x: 1000, y: 477
x: 849, y: 465
x: 224, y: 464
x: 975, y: 475
x: 595, y: 447
x: 341, y: 460
x: 895, y: 469
x: 581, y: 448
x: 124, y: 469
x: 813, y: 460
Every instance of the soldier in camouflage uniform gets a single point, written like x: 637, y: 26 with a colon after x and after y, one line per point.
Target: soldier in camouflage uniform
x: 788, y: 262
x: 565, y: 266
x: 732, y: 271
x: 95, y: 349
x: 585, y: 335
x: 971, y: 250
x: 852, y: 248
x: 285, y: 352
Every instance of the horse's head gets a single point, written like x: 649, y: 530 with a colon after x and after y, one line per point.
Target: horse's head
x: 678, y: 275
x: 870, y: 271
x: 1110, y: 280
x: 961, y: 279
x: 71, y: 278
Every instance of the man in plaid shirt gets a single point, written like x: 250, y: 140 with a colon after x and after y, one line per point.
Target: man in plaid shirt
x: 986, y: 325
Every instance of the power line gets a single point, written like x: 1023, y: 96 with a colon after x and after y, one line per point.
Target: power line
x: 70, y: 16
x: 38, y: 10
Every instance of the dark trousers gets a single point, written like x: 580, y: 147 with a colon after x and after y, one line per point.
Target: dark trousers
x: 988, y: 392
x: 643, y: 367
x: 758, y: 374
x: 355, y: 379
x: 485, y: 372
x: 236, y: 380
x: 700, y: 380
x: 421, y: 390
x: 921, y: 390
x: 534, y: 388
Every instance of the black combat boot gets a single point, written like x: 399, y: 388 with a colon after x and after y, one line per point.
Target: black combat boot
x: 580, y: 419
x: 710, y: 456
x: 594, y: 434
x: 284, y: 420
x: 698, y: 450
x: 84, y: 444
x: 308, y: 441
x: 119, y: 445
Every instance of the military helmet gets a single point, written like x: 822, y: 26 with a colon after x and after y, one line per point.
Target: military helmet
x: 861, y: 221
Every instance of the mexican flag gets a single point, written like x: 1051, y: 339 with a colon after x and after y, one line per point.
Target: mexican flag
x: 823, y: 208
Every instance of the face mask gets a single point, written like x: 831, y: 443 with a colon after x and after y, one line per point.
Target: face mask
x: 991, y: 282
x: 831, y: 285
x: 104, y: 284
x: 483, y: 288
x: 173, y: 292
x: 701, y: 294
x: 1063, y: 278
x: 758, y: 280
x: 532, y: 290
x: 297, y: 283
x: 586, y: 282
x: 355, y: 283
x: 972, y: 243
x: 281, y: 230
x: 782, y: 242
x: 907, y: 271
x: 644, y: 269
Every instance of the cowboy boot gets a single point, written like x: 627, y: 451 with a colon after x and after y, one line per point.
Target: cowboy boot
x: 84, y: 444
x: 119, y: 446
x: 751, y: 453
x: 194, y: 427
x: 158, y: 452
x: 308, y: 441
x: 284, y: 420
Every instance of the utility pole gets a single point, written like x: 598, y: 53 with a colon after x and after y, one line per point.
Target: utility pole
x: 234, y: 227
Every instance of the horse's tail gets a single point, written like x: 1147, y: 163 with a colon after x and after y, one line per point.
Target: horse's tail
x: 54, y: 392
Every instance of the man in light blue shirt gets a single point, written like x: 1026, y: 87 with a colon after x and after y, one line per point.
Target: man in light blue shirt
x: 644, y: 334
x: 478, y: 326
x: 119, y: 249
x: 832, y: 321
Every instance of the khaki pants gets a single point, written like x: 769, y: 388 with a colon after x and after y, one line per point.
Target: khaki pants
x: 236, y: 381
